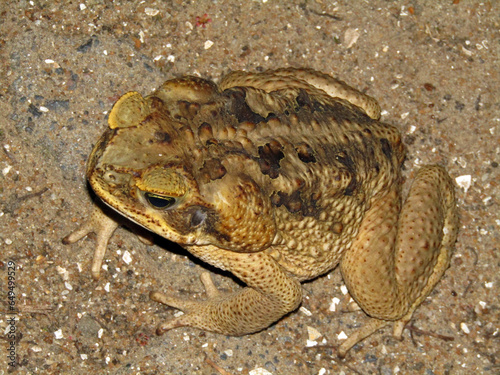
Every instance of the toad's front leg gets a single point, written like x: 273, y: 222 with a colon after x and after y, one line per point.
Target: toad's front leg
x: 103, y: 225
x: 269, y: 295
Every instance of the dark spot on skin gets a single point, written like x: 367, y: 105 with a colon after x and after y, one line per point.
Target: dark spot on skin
x: 212, y: 141
x: 305, y: 153
x: 269, y: 158
x: 346, y: 160
x: 342, y: 113
x: 238, y: 107
x: 349, y: 190
x: 295, y: 203
x: 317, y: 106
x: 303, y: 99
x: 156, y: 103
x: 162, y: 137
x: 386, y: 148
x: 213, y: 169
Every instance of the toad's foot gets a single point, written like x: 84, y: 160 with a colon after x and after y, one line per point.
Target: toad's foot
x: 242, y: 312
x: 103, y: 226
x: 372, y: 326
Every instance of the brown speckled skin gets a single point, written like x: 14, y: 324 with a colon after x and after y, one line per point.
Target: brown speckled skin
x: 276, y: 177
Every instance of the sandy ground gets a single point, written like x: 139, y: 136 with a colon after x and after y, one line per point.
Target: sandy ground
x: 433, y: 66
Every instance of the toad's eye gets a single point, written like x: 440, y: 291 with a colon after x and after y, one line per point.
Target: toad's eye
x: 159, y: 201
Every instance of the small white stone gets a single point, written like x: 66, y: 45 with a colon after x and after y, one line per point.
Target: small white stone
x: 344, y: 290
x: 342, y: 336
x: 322, y: 371
x: 259, y: 371
x: 127, y: 258
x: 171, y: 58
x: 83, y: 7
x: 310, y: 343
x: 6, y: 170
x: 43, y: 109
x: 489, y: 284
x: 106, y: 287
x: 83, y: 356
x: 63, y: 272
x: 99, y: 333
x: 68, y: 286
x: 8, y: 241
x: 208, y: 44
x: 49, y: 61
x: 305, y: 311
x: 228, y: 352
x: 58, y: 334
x: 151, y: 12
x: 464, y: 328
x: 464, y: 181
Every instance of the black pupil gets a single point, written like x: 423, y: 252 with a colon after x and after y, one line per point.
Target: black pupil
x: 159, y: 201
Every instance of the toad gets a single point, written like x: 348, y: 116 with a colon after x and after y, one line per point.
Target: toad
x: 277, y: 177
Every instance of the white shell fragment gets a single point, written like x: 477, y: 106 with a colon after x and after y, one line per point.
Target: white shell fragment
x: 151, y: 12
x: 351, y: 36
x: 313, y: 334
x: 333, y: 305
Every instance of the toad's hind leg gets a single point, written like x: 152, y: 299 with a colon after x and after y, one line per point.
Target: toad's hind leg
x: 399, y: 257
